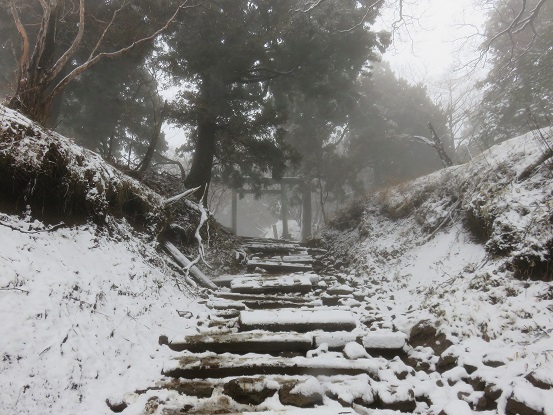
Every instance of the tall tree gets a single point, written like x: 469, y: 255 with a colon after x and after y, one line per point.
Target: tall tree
x: 390, y: 114
x: 519, y: 86
x: 236, y: 57
x: 113, y: 110
x: 60, y: 40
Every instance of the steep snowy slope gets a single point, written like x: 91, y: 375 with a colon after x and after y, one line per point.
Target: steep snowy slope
x: 467, y: 250
x: 82, y: 303
x: 81, y: 313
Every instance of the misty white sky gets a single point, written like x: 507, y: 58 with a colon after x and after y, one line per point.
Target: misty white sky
x: 431, y: 41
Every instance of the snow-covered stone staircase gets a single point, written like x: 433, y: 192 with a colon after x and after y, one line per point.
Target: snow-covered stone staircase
x: 315, y: 342
x: 279, y: 341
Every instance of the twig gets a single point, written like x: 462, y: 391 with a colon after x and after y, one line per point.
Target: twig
x: 49, y: 229
x: 447, y: 218
x: 14, y: 289
x: 180, y: 196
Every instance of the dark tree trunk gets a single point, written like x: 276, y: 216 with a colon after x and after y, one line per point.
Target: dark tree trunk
x: 212, y: 91
x: 439, y: 146
x: 145, y: 163
x: 204, y: 153
x: 30, y: 101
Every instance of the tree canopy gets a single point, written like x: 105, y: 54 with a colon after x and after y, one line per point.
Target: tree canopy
x: 518, y: 88
x: 246, y: 64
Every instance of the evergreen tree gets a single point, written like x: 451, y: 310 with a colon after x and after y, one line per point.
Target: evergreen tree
x: 519, y: 87
x: 243, y: 62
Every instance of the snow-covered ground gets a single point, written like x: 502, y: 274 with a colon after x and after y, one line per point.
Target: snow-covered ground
x: 81, y: 316
x: 417, y: 255
x: 467, y: 249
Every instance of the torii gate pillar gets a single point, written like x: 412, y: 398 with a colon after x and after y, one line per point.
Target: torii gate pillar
x: 306, y: 207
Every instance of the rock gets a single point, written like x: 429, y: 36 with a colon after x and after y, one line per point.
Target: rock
x: 116, y: 407
x: 477, y: 383
x: 425, y: 334
x: 249, y: 391
x: 163, y: 340
x: 418, y: 364
x: 539, y: 381
x: 470, y: 368
x: 456, y: 408
x: 516, y: 406
x: 492, y: 393
x: 493, y: 363
x: 354, y: 350
x: 396, y: 400
x: 199, y: 389
x: 481, y: 404
x: 304, y: 395
x: 446, y: 363
x: 152, y: 405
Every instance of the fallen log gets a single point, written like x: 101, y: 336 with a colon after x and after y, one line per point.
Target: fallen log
x: 184, y: 262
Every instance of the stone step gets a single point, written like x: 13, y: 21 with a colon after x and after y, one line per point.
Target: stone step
x: 225, y: 304
x: 297, y: 411
x: 257, y: 302
x: 316, y: 251
x: 259, y: 240
x: 298, y: 393
x: 250, y: 342
x: 276, y: 305
x: 273, y: 248
x: 384, y: 343
x: 225, y: 280
x: 301, y: 259
x: 297, y: 320
x: 254, y: 297
x: 210, y: 365
x: 278, y: 266
x: 272, y: 285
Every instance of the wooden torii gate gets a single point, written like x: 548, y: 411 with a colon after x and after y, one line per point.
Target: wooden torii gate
x: 306, y: 205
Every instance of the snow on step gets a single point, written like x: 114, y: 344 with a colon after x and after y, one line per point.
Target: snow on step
x: 225, y: 280
x: 273, y: 248
x: 384, y: 340
x: 375, y: 341
x: 253, y: 297
x: 278, y: 266
x: 335, y: 340
x: 306, y: 259
x: 210, y: 365
x: 282, y: 284
x: 297, y: 411
x: 251, y: 342
x: 223, y: 304
x: 297, y: 320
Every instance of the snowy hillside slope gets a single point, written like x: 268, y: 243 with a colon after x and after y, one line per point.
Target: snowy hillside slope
x: 81, y: 313
x: 50, y: 173
x: 468, y: 250
x: 85, y: 290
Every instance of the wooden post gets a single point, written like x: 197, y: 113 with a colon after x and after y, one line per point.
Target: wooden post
x: 307, y: 216
x: 234, y: 220
x: 284, y: 213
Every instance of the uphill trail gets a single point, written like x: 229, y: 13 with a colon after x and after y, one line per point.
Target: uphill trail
x: 296, y: 334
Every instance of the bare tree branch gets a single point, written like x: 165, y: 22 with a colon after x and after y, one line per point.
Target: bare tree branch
x: 24, y: 60
x: 90, y: 62
x: 101, y: 38
x: 362, y: 21
x: 69, y: 53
